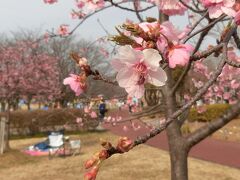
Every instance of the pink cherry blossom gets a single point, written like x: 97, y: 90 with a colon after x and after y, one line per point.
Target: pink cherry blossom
x: 86, y: 109
x: 50, y: 1
x: 75, y: 83
x: 93, y: 114
x: 90, y: 5
x: 234, y: 84
x: 46, y: 37
x: 179, y: 55
x: 218, y: 7
x: 63, y: 30
x: 136, y: 68
x: 125, y: 128
x: 79, y: 120
x: 171, y: 7
x: 226, y: 95
x: 201, y: 109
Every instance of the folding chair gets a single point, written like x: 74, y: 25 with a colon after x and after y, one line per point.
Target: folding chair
x: 56, y: 144
x: 75, y: 146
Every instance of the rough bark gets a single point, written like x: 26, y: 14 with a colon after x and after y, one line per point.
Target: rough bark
x: 177, y: 146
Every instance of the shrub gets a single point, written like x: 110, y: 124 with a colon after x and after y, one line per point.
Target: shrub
x: 211, y: 112
x: 31, y: 122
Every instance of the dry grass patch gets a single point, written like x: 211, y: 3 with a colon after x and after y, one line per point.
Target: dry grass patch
x: 142, y: 163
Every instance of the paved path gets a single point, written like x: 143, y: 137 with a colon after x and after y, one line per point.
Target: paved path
x: 221, y: 152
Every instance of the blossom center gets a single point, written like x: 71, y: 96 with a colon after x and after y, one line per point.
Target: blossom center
x: 140, y: 68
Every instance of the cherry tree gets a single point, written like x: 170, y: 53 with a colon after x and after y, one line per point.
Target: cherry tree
x: 151, y: 51
x: 25, y: 73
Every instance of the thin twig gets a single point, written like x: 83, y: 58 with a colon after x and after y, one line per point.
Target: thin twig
x: 204, y: 28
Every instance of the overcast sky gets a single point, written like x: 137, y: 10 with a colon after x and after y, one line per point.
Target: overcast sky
x: 35, y: 14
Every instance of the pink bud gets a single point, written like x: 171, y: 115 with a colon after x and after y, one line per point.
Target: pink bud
x: 79, y: 120
x: 124, y: 144
x: 91, y: 175
x: 103, y: 154
x: 125, y: 128
x: 90, y: 163
x: 93, y: 114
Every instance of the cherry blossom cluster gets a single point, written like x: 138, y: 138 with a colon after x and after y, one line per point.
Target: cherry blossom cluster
x: 89, y: 113
x: 26, y: 71
x: 78, y: 82
x: 144, y: 47
x: 124, y: 145
x: 50, y: 1
x: 226, y: 87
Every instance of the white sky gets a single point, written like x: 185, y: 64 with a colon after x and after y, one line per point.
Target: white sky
x: 34, y: 14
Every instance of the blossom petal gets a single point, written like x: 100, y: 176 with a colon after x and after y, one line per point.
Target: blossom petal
x: 68, y: 80
x: 128, y: 55
x: 117, y: 64
x: 215, y: 11
x: 127, y: 78
x: 229, y: 11
x: 152, y: 58
x: 157, y: 78
x: 135, y: 91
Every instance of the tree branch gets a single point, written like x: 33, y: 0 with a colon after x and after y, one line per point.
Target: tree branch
x: 206, y: 53
x: 204, y: 89
x: 213, y: 126
x: 191, y: 8
x: 210, y: 25
x: 233, y: 63
x: 196, y: 24
x: 135, y: 4
x: 236, y: 39
x: 128, y: 9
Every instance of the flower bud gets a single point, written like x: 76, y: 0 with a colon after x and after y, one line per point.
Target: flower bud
x: 103, y: 154
x: 91, y: 175
x: 90, y: 163
x: 124, y: 144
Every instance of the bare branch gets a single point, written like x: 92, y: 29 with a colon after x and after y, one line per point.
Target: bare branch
x: 213, y: 126
x: 196, y: 24
x: 236, y: 39
x: 206, y: 53
x: 204, y: 89
x: 210, y: 25
x: 233, y: 63
x: 129, y: 9
x: 191, y: 8
x: 135, y: 4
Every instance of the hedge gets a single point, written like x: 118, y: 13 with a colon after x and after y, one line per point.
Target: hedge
x: 211, y: 112
x: 31, y: 122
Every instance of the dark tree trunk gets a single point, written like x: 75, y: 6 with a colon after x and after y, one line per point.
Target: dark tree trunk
x: 29, y: 104
x: 15, y: 105
x: 177, y: 144
x: 39, y: 105
x: 3, y: 106
x: 7, y: 128
x: 63, y: 103
x: 179, y: 164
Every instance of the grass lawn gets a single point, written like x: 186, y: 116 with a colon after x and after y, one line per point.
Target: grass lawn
x: 142, y: 163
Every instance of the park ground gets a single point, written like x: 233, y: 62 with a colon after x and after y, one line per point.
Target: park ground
x: 143, y: 163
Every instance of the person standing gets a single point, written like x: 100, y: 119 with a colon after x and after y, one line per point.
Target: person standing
x: 102, y: 109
